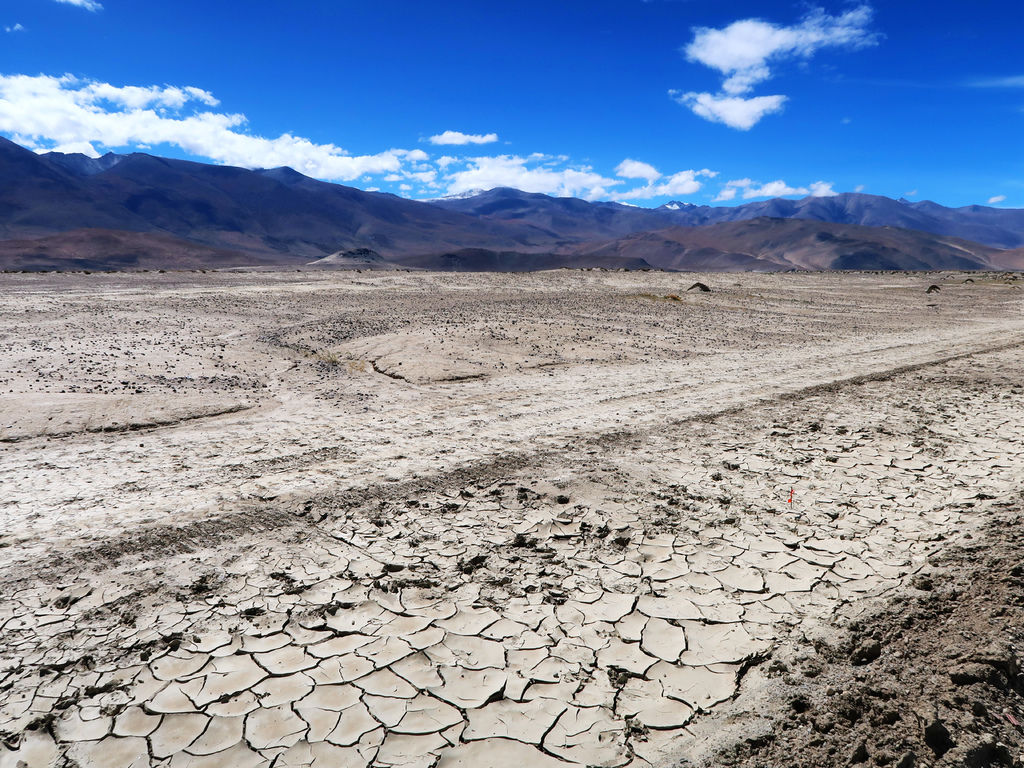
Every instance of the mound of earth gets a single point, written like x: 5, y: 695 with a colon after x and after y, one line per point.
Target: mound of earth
x: 354, y: 258
x: 932, y: 679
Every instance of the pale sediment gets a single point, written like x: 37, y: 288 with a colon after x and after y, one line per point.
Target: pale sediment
x: 571, y: 555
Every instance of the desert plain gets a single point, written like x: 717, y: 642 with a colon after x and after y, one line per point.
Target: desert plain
x: 569, y: 518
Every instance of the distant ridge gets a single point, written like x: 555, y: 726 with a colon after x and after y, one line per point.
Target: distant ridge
x: 141, y: 211
x: 771, y: 244
x: 997, y: 227
x: 273, y: 214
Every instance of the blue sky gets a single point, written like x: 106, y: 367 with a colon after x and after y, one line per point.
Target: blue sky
x: 625, y: 100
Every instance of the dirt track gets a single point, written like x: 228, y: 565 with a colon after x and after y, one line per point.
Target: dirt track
x: 471, y: 520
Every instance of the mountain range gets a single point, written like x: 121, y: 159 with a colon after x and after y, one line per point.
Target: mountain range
x: 133, y: 211
x: 996, y: 227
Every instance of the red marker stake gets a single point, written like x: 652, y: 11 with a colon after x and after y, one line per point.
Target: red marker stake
x: 790, y: 495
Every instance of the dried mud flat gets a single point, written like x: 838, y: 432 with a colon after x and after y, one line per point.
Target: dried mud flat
x: 480, y: 520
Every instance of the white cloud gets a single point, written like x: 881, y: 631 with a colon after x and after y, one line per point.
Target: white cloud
x: 45, y: 112
x: 530, y: 174
x: 135, y: 97
x: 424, y: 177
x: 859, y: 188
x: 635, y: 169
x: 14, y: 28
x: 734, y: 111
x: 66, y: 114
x: 676, y: 185
x: 778, y: 188
x: 89, y: 5
x: 744, y: 52
x: 460, y: 138
x: 996, y: 199
x: 76, y: 147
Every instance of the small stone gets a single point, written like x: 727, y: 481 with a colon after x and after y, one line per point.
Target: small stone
x: 967, y: 674
x: 860, y: 754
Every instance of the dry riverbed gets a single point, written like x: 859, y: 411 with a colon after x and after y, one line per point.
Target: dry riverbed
x: 568, y: 518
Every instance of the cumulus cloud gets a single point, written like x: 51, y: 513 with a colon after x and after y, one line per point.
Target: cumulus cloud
x: 89, y: 5
x: 45, y: 113
x: 14, y: 28
x: 996, y: 199
x: 734, y: 111
x: 822, y: 189
x: 423, y: 177
x: 745, y: 51
x: 535, y: 173
x: 751, y: 189
x: 635, y: 169
x: 460, y: 138
x: 677, y: 185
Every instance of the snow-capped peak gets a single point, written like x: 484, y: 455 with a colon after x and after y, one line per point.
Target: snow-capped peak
x: 675, y: 205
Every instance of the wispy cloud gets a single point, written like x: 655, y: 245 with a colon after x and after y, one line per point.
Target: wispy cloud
x: 14, y: 28
x: 1011, y: 81
x: 745, y: 51
x: 460, y: 138
x: 996, y: 199
x: 750, y: 189
x: 89, y: 5
x: 68, y: 114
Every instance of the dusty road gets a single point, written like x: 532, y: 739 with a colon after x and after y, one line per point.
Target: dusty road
x: 405, y: 519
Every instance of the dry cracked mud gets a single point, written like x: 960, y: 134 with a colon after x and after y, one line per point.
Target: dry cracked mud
x: 568, y: 518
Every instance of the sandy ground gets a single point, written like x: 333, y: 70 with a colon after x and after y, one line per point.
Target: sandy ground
x: 571, y: 518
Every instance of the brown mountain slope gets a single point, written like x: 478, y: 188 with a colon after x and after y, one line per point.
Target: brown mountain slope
x: 107, y: 249
x: 271, y: 213
x: 768, y: 244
